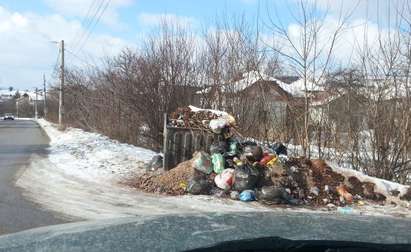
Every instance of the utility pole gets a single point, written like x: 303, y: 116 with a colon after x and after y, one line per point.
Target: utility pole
x: 61, y: 93
x: 44, y: 97
x: 35, y: 106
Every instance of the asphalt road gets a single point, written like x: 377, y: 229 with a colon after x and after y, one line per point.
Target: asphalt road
x: 20, y: 139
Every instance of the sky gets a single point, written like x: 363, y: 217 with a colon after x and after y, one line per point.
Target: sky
x: 30, y: 29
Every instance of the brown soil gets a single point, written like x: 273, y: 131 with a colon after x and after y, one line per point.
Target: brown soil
x: 172, y: 182
x: 355, y: 186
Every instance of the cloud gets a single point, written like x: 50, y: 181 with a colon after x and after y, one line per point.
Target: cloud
x: 377, y: 11
x: 27, y: 50
x: 348, y: 46
x: 152, y: 19
x: 83, y: 8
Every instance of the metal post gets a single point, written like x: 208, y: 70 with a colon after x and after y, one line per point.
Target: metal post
x: 61, y: 94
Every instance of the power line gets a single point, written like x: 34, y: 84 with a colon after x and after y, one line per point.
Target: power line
x: 56, y: 68
x: 88, y: 19
x: 78, y: 57
x: 93, y: 25
x: 84, y: 23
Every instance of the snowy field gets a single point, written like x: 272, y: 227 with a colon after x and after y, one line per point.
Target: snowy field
x: 80, y: 179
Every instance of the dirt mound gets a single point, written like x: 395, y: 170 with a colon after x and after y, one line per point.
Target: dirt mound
x: 312, y: 181
x: 172, y: 182
x: 315, y: 183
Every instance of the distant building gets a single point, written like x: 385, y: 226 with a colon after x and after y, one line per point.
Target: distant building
x: 246, y: 95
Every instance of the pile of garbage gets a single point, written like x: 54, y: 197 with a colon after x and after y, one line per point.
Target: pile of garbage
x: 205, y: 119
x: 248, y: 171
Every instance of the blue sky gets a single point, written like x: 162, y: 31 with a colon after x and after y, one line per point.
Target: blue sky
x: 28, y: 26
x: 124, y: 20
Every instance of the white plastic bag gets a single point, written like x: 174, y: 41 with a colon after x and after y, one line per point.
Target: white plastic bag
x: 224, y: 180
x: 216, y: 125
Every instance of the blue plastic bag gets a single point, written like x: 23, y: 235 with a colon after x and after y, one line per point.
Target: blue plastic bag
x: 247, y: 195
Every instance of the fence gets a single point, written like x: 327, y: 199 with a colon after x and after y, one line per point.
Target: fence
x: 179, y: 144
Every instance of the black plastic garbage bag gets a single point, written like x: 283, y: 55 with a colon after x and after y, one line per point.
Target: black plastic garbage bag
x: 198, y: 186
x: 279, y: 149
x: 155, y: 163
x: 276, y: 194
x: 218, y: 147
x: 246, y: 177
x: 233, y: 147
x: 271, y: 193
x: 253, y: 153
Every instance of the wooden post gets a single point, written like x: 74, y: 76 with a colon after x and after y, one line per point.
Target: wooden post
x: 61, y: 91
x: 44, y: 97
x: 165, y: 143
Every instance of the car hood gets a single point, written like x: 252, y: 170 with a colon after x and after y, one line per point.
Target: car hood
x: 191, y: 231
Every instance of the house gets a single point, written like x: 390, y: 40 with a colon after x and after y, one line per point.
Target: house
x: 7, y: 94
x: 260, y: 102
x: 340, y: 109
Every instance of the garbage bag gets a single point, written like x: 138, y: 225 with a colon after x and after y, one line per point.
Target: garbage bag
x: 218, y: 162
x: 218, y: 147
x: 273, y: 162
x: 155, y: 163
x: 217, y: 125
x: 288, y: 199
x: 234, y: 195
x: 230, y: 120
x: 271, y: 193
x: 279, y: 149
x: 267, y: 158
x: 247, y: 195
x: 237, y: 162
x: 232, y: 147
x: 224, y: 180
x: 198, y: 186
x: 202, y: 162
x: 246, y: 177
x: 265, y: 178
x: 253, y: 153
x: 229, y: 163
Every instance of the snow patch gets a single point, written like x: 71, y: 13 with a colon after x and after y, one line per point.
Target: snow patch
x: 213, y: 111
x: 381, y: 185
x: 93, y: 156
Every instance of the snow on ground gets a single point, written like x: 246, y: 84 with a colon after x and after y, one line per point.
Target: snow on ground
x: 80, y: 179
x: 92, y: 156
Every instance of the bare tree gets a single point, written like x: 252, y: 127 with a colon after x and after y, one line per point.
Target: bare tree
x: 310, y: 52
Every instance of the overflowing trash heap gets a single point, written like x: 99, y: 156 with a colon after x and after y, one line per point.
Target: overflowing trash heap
x: 247, y: 171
